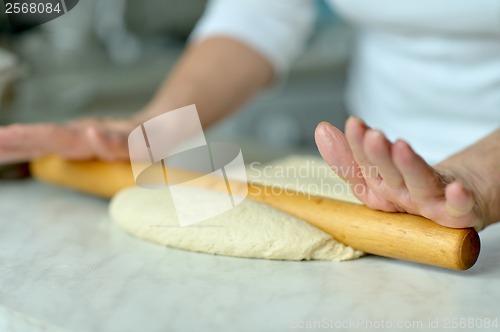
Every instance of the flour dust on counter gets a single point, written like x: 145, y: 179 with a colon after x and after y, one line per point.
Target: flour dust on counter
x: 251, y: 229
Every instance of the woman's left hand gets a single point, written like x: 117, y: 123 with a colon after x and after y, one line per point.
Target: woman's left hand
x: 392, y: 177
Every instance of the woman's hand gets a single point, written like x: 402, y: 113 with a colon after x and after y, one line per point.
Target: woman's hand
x: 217, y: 74
x: 392, y: 177
x: 82, y: 139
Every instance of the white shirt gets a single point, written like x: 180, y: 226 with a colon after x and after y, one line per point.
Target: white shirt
x: 424, y: 71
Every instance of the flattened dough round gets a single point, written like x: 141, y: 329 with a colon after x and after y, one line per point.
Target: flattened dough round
x: 249, y: 230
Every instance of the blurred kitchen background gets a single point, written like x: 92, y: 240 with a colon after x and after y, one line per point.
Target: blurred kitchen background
x: 107, y: 57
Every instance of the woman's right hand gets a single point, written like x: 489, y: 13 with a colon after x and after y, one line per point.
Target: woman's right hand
x: 83, y: 139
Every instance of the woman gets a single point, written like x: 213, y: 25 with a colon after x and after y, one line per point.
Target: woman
x: 426, y: 72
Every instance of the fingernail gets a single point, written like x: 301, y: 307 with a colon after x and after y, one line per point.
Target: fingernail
x: 326, y: 129
x: 375, y: 133
x: 403, y: 143
x: 355, y: 118
x: 358, y: 120
x: 456, y: 211
x: 323, y: 123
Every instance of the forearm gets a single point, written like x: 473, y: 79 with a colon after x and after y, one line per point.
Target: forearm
x: 478, y: 166
x: 218, y: 75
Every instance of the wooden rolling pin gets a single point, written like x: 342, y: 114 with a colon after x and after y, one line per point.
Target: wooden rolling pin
x: 396, y: 235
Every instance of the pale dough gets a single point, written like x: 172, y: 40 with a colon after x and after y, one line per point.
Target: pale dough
x: 251, y: 229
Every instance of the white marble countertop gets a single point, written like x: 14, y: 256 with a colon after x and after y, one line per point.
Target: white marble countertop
x: 65, y: 267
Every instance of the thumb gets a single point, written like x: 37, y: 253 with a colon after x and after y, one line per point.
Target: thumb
x: 460, y: 204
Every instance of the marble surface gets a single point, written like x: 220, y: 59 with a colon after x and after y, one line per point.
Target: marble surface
x: 65, y: 267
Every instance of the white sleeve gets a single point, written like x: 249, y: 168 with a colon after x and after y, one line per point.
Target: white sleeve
x: 277, y: 29
x: 464, y: 18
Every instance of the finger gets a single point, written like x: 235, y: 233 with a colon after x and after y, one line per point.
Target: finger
x: 355, y: 130
x: 377, y: 150
x: 9, y: 156
x: 30, y: 137
x: 420, y: 178
x: 13, y: 136
x: 97, y: 143
x: 25, y: 142
x: 334, y: 148
x: 4, y: 137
